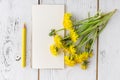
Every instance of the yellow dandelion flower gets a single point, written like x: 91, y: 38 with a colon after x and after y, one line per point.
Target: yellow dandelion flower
x: 83, y: 66
x: 67, y: 16
x: 84, y: 56
x: 54, y: 50
x: 67, y: 23
x: 73, y: 35
x: 57, y: 40
x: 72, y: 49
x: 69, y: 61
x: 66, y: 50
x: 90, y: 54
x: 78, y: 59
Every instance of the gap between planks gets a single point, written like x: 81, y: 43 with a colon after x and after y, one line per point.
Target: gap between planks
x: 97, y: 47
x: 39, y: 2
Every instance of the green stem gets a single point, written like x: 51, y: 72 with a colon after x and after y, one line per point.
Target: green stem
x: 60, y: 29
x: 84, y: 40
x: 100, y: 30
x: 94, y: 38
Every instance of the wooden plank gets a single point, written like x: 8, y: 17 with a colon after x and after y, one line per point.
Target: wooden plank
x: 80, y: 9
x: 109, y: 43
x: 12, y: 16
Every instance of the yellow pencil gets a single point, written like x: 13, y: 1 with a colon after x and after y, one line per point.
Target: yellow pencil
x: 23, y: 46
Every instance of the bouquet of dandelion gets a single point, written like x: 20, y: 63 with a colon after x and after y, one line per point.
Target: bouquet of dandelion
x: 77, y: 43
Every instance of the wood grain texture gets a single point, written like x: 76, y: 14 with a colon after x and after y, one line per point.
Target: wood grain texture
x: 109, y: 43
x: 13, y: 13
x: 79, y: 9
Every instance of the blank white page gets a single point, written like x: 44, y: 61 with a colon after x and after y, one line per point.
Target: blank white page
x: 44, y: 18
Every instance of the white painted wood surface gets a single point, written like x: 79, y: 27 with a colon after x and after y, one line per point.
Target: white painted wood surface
x: 79, y: 9
x: 109, y: 44
x: 14, y: 12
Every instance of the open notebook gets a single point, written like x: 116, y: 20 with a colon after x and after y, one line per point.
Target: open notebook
x: 44, y: 18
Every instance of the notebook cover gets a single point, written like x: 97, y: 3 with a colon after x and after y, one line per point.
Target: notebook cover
x: 44, y: 18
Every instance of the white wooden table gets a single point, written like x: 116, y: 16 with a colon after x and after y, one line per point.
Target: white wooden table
x: 104, y: 65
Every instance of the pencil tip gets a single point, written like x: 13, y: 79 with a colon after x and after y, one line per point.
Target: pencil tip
x: 24, y: 25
